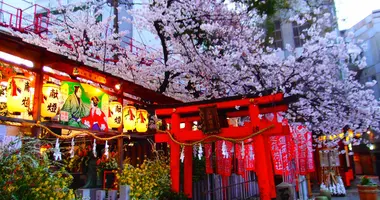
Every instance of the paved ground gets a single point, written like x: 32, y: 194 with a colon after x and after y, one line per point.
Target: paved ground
x: 352, y: 192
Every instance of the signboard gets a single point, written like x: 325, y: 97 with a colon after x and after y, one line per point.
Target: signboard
x: 84, y: 106
x: 209, y: 119
x: 89, y: 75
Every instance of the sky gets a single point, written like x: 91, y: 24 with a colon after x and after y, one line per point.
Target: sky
x: 350, y: 12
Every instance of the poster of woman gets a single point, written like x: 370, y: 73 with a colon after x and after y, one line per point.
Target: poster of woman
x: 97, y: 120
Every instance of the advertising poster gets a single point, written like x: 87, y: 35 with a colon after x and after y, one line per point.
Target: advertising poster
x: 84, y: 106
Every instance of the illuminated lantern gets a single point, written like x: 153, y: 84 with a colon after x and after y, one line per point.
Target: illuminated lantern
x: 18, y: 94
x: 115, y: 115
x: 142, y: 120
x: 50, y: 100
x: 129, y: 113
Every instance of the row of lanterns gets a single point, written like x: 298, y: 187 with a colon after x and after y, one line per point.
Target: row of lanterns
x: 18, y: 94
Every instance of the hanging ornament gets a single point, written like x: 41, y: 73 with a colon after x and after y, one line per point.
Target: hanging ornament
x: 195, y: 151
x: 72, y: 148
x: 106, y: 150
x: 242, y: 150
x: 182, y: 157
x: 224, y: 150
x: 251, y: 155
x: 57, y: 152
x: 200, y: 151
x: 94, y: 148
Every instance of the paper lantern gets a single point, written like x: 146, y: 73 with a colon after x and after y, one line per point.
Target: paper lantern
x: 142, y: 120
x: 129, y: 120
x: 50, y: 100
x: 115, y: 115
x: 18, y: 94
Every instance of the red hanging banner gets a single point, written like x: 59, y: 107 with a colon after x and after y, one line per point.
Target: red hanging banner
x: 275, y: 150
x: 208, y: 157
x: 310, y: 154
x: 249, y: 159
x: 301, y: 133
x: 240, y: 159
x: 224, y: 162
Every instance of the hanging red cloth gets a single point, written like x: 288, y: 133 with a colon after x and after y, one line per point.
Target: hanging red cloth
x: 240, y: 159
x: 249, y: 159
x: 208, y: 157
x: 224, y: 162
x: 310, y: 154
x: 301, y: 134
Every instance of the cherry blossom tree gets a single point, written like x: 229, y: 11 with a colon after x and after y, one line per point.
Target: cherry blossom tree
x: 212, y: 49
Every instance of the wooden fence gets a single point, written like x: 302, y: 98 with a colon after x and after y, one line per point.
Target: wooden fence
x: 235, y: 188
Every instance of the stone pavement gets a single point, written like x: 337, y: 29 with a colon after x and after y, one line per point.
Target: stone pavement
x: 352, y: 192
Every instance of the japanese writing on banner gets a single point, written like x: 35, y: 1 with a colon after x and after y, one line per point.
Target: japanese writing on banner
x: 224, y: 163
x: 240, y: 158
x: 280, y: 154
x: 249, y: 159
x: 276, y: 155
x: 208, y: 156
x: 281, y: 142
x: 305, y: 149
x: 310, y: 155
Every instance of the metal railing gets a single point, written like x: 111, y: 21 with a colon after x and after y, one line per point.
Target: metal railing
x: 36, y: 19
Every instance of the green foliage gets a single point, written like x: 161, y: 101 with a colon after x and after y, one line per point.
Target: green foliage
x: 199, y: 169
x: 170, y: 195
x: 366, y: 181
x: 27, y: 175
x: 148, y: 180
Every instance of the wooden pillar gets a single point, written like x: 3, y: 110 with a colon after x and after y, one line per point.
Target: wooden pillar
x: 120, y: 151
x: 37, y: 98
x: 260, y: 155
x: 309, y: 191
x: 188, y: 172
x: 174, y: 154
x: 188, y: 167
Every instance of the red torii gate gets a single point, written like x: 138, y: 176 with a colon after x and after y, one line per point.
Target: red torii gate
x: 252, y: 107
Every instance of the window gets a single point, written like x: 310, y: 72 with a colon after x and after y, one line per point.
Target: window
x: 297, y: 32
x: 277, y: 35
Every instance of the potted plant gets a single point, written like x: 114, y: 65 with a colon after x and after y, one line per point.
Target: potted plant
x: 106, y: 164
x: 367, y: 189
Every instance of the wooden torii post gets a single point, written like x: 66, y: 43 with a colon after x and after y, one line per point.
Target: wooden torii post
x: 252, y: 107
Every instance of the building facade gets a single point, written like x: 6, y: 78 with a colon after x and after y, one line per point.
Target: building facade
x: 368, y: 31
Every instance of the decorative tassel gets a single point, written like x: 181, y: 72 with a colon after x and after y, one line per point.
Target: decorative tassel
x: 142, y: 118
x: 200, y: 151
x: 195, y: 151
x: 57, y: 152
x: 182, y: 157
x: 106, y: 150
x: 242, y: 150
x: 94, y: 148
x: 72, y: 148
x: 14, y: 87
x: 131, y: 115
x: 251, y: 154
